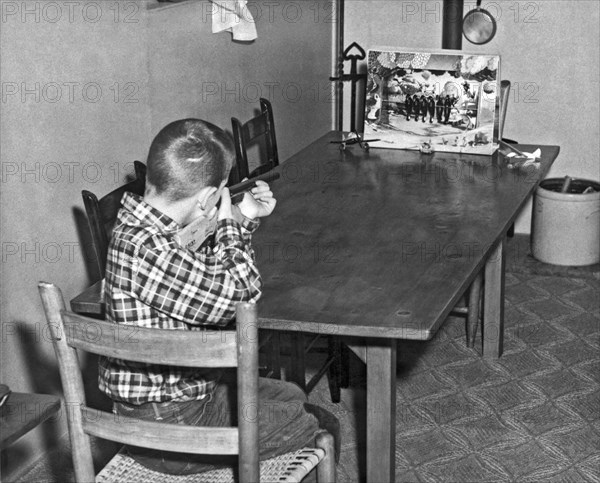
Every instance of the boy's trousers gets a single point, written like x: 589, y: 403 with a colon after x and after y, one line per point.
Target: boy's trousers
x: 284, y: 423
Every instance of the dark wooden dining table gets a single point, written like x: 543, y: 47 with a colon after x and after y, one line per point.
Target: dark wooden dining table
x: 380, y: 245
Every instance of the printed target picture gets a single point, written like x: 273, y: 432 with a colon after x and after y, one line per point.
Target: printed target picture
x: 432, y: 101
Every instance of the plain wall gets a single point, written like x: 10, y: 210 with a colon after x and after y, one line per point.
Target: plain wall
x: 196, y: 73
x: 74, y: 111
x: 549, y: 51
x: 85, y: 88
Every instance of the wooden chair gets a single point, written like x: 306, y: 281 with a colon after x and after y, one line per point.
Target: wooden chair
x: 238, y: 348
x: 102, y: 214
x: 335, y: 366
x: 245, y: 134
x: 472, y: 309
x: 474, y: 301
x: 504, y: 96
x: 248, y: 133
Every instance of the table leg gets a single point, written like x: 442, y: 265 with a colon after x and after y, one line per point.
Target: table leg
x: 493, y: 304
x: 381, y: 410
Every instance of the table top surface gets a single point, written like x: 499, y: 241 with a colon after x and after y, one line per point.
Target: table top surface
x: 383, y: 243
x: 380, y: 243
x: 22, y: 412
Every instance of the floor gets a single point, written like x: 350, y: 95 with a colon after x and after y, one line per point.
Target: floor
x: 532, y: 415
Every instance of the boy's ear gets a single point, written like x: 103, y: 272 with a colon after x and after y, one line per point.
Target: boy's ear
x: 209, y: 196
x: 205, y: 198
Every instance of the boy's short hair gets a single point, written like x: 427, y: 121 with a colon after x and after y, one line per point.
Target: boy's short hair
x: 188, y: 155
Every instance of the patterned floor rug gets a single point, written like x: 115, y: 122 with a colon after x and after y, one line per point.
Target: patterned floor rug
x: 533, y: 415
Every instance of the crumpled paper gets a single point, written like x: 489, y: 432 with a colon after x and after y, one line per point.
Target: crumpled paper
x: 233, y: 16
x: 516, y: 161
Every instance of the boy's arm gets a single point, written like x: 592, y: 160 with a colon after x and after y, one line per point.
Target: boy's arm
x: 248, y: 226
x: 202, y: 287
x: 231, y: 240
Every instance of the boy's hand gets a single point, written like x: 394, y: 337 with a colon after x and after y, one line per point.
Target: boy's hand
x: 259, y: 202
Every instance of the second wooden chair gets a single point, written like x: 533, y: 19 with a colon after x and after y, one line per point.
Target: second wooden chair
x: 472, y: 311
x: 246, y: 134
x: 102, y: 214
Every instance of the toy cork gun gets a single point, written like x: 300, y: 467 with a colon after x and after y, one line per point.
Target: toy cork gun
x: 353, y: 77
x: 193, y: 235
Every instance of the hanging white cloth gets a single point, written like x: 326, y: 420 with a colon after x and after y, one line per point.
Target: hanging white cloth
x: 235, y: 17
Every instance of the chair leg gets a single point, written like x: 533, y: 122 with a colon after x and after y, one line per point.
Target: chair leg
x: 474, y: 313
x: 270, y: 346
x: 345, y: 367
x: 511, y: 231
x: 298, y: 360
x: 326, y: 468
x: 336, y: 365
x: 335, y: 371
x: 275, y: 356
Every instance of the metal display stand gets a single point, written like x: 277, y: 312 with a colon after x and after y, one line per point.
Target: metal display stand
x: 354, y: 78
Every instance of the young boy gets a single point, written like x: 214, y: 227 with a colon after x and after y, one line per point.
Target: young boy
x: 152, y: 281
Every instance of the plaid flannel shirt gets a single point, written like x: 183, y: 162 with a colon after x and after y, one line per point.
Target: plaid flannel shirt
x: 153, y: 282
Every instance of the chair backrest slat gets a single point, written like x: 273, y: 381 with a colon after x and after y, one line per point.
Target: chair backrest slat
x: 504, y: 93
x: 255, y: 127
x: 240, y: 170
x: 166, y: 437
x: 208, y: 348
x: 271, y: 139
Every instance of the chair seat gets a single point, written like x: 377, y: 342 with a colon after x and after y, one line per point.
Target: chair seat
x: 290, y: 467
